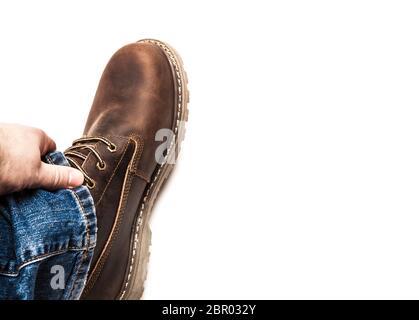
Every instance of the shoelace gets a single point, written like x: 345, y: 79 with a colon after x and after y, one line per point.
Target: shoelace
x: 83, y: 144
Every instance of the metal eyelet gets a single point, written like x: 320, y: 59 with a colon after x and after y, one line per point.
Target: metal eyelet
x: 101, y: 167
x: 91, y: 184
x: 112, y: 148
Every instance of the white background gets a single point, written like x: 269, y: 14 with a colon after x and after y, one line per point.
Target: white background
x: 299, y: 176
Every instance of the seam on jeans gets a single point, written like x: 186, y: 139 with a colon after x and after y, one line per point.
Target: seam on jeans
x: 85, y: 256
x: 78, y: 201
x: 61, y: 210
x: 39, y: 258
x: 87, y: 224
x: 75, y: 273
x: 86, y: 221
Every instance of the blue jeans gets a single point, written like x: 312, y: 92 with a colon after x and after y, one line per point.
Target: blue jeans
x: 46, y: 241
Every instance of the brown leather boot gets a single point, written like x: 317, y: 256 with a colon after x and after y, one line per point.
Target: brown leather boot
x: 131, y: 139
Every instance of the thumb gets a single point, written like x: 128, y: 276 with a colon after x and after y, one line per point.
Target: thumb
x: 54, y: 177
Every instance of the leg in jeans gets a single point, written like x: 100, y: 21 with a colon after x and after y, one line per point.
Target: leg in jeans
x: 46, y: 241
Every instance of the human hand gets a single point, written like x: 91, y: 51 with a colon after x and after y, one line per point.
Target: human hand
x: 21, y: 167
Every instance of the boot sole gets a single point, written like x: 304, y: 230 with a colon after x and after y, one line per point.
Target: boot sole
x: 133, y: 287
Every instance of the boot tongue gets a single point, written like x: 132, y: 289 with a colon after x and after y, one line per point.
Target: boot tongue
x: 99, y: 162
x: 79, y: 160
x: 85, y: 152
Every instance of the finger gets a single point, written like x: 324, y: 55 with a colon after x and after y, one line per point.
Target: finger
x: 46, y: 143
x: 53, y: 177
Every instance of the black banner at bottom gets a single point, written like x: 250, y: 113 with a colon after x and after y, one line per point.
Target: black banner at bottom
x: 210, y: 309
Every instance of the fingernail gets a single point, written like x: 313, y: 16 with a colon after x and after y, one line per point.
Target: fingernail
x: 75, y: 178
x: 70, y: 177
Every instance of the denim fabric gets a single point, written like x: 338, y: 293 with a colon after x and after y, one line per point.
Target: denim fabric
x: 46, y: 241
